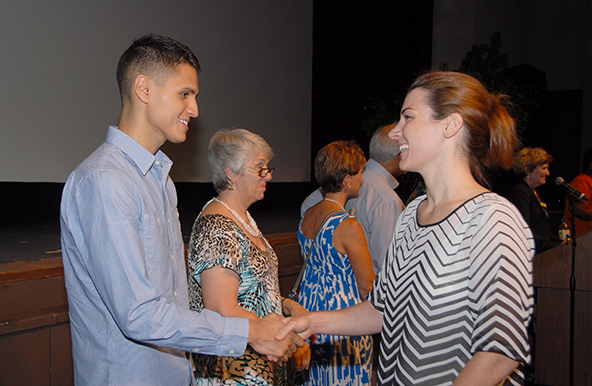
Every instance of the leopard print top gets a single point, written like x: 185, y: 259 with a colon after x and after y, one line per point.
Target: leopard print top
x: 217, y: 240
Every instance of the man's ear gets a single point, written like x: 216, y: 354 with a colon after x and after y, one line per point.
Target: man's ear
x: 453, y: 123
x: 142, y: 85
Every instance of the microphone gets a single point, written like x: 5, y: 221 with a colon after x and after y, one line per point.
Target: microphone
x: 572, y: 190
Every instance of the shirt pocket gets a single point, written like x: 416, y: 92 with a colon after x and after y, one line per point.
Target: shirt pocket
x: 153, y: 231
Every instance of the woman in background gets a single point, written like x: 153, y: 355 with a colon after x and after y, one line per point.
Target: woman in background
x: 339, y: 272
x: 532, y: 167
x: 234, y: 269
x: 455, y: 296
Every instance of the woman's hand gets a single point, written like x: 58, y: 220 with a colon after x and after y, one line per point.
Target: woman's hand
x: 292, y: 308
x: 263, y: 338
x: 220, y: 292
x: 361, y: 319
x: 301, y: 358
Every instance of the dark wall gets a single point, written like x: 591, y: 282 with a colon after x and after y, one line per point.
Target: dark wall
x: 362, y: 50
x: 561, y: 138
x: 279, y: 211
x: 556, y: 127
x: 553, y: 122
x: 30, y: 202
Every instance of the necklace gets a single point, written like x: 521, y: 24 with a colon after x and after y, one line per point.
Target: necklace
x: 337, y: 202
x: 252, y: 229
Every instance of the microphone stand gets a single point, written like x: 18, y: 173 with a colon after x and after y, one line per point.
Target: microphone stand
x: 572, y: 291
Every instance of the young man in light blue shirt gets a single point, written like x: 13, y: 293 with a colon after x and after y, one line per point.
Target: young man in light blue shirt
x: 122, y: 247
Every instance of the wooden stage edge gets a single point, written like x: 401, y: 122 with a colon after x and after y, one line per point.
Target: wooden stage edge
x: 30, y: 270
x: 34, y: 315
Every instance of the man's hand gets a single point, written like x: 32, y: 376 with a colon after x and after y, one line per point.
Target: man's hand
x: 262, y: 338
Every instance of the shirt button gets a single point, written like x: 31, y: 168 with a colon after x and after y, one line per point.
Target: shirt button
x: 173, y: 257
x: 157, y: 163
x: 175, y: 293
x: 231, y: 352
x: 195, y: 350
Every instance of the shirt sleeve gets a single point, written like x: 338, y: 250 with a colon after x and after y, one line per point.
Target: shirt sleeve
x: 501, y: 290
x: 378, y: 294
x: 382, y: 228
x: 215, y: 241
x: 113, y: 234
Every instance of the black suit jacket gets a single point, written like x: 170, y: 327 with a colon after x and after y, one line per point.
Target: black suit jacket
x: 535, y: 216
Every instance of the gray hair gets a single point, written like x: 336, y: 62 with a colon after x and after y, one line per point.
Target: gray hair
x: 383, y: 148
x: 232, y: 148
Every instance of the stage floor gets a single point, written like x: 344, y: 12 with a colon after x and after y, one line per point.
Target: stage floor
x: 36, y: 241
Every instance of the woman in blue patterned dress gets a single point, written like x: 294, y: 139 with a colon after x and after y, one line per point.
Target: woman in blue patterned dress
x: 339, y: 272
x: 454, y: 299
x: 233, y: 267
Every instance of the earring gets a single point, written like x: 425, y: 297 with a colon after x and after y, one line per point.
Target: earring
x: 230, y: 186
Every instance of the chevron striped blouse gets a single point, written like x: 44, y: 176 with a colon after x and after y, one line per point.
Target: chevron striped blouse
x: 453, y: 288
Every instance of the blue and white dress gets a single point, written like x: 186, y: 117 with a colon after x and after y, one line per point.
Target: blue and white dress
x: 329, y: 284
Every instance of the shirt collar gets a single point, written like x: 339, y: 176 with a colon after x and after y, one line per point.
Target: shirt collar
x: 378, y: 168
x: 138, y: 154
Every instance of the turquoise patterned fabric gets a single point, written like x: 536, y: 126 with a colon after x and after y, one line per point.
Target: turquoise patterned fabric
x: 217, y: 240
x: 329, y: 284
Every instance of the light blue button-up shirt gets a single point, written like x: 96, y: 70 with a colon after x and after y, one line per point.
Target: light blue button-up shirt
x: 125, y: 273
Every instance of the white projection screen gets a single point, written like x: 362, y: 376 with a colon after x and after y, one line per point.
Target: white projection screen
x: 58, y: 92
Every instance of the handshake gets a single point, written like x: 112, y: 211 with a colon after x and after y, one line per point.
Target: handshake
x: 282, y: 338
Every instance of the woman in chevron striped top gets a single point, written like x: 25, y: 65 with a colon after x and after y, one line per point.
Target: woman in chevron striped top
x: 454, y: 299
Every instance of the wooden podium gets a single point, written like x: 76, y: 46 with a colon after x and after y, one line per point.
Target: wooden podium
x: 552, y: 272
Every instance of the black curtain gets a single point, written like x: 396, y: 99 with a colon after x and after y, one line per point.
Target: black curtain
x: 363, y: 49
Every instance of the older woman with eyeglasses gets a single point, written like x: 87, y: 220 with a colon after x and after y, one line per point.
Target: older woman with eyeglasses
x: 234, y: 269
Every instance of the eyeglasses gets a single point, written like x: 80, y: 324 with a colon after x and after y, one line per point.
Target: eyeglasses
x: 263, y: 172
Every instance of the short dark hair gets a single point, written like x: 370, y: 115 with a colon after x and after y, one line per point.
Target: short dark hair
x: 153, y: 55
x: 336, y: 161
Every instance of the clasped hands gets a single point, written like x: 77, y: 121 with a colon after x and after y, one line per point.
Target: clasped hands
x: 278, y: 338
